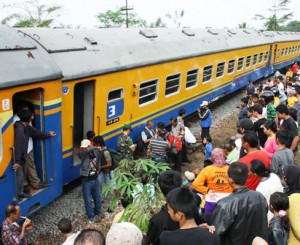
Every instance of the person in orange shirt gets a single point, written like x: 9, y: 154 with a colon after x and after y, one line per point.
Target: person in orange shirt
x: 213, y: 180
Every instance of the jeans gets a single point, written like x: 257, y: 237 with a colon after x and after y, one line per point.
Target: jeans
x: 90, y: 188
x: 104, y: 178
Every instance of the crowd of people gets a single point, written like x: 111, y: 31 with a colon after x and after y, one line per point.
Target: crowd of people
x: 246, y: 191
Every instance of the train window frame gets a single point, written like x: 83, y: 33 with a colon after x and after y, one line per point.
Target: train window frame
x: 115, y: 99
x: 231, y: 66
x: 207, y: 73
x: 240, y: 64
x: 290, y: 50
x: 189, y: 81
x: 267, y: 56
x: 286, y: 51
x: 282, y: 52
x: 248, y: 61
x: 147, y: 95
x: 254, y: 61
x: 261, y: 58
x: 172, y: 77
x: 221, y: 66
x: 278, y: 53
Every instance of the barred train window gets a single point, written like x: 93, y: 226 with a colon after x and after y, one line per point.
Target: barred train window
x: 248, y: 61
x: 231, y: 65
x: 220, y: 69
x: 207, y: 73
x: 261, y: 56
x: 148, y: 91
x: 240, y: 63
x: 254, y: 59
x: 286, y: 51
x: 282, y: 52
x: 278, y: 53
x: 172, y: 84
x: 191, y: 78
x: 290, y: 50
x: 267, y: 56
x: 115, y: 95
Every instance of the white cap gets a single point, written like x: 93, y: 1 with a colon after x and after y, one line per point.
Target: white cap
x: 85, y: 143
x: 204, y: 103
x: 190, y: 175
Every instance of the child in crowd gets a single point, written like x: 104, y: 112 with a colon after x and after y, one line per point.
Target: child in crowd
x: 181, y: 205
x: 292, y: 99
x: 208, y: 146
x: 279, y: 226
x: 231, y: 152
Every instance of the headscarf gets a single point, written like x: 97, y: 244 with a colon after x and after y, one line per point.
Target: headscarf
x: 292, y: 175
x: 218, y: 157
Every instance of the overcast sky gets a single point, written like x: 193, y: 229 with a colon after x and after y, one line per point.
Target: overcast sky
x: 198, y: 13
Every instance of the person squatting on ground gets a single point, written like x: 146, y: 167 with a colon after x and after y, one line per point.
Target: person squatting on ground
x: 205, y: 117
x: 182, y: 207
x: 234, y: 221
x: 12, y: 233
x: 21, y: 137
x: 65, y: 227
x: 89, y: 172
x: 125, y: 143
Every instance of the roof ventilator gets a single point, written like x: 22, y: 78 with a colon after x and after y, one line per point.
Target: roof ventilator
x: 211, y: 31
x: 232, y: 32
x: 246, y: 31
x: 148, y: 33
x: 188, y: 32
x: 91, y: 40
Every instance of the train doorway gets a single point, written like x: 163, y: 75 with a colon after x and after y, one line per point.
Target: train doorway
x: 83, y: 114
x: 33, y: 100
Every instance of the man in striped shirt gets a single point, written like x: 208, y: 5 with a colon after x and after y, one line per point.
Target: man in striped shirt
x: 158, y: 147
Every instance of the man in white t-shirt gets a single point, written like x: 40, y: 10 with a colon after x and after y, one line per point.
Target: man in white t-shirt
x: 66, y: 229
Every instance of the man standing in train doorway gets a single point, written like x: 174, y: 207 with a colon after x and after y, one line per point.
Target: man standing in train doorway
x: 205, y: 119
x: 125, y: 143
x: 22, y: 133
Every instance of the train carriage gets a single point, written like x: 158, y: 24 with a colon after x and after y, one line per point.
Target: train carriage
x: 80, y: 80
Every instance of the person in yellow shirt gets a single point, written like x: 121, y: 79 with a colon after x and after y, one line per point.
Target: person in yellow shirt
x: 292, y: 99
x: 289, y: 73
x: 212, y: 181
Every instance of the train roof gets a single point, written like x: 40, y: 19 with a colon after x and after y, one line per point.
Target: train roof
x: 87, y: 52
x: 22, y: 61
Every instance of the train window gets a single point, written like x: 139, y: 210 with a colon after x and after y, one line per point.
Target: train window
x: 267, y: 56
x: 1, y: 150
x: 293, y: 50
x: 148, y: 92
x: 191, y: 78
x: 254, y: 59
x: 220, y: 69
x: 261, y: 56
x: 248, y: 61
x: 172, y: 84
x: 115, y: 95
x: 290, y: 50
x: 240, y: 64
x: 282, y: 52
x: 286, y: 51
x: 207, y: 73
x: 231, y: 65
x: 278, y: 53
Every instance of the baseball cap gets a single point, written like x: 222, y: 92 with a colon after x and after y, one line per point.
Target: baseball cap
x: 190, y: 175
x: 204, y: 103
x: 85, y: 143
x: 127, y: 126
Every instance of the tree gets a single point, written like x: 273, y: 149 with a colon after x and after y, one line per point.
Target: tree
x: 176, y: 17
x: 243, y: 25
x: 293, y: 26
x: 157, y: 23
x: 275, y: 23
x: 117, y: 19
x: 31, y: 13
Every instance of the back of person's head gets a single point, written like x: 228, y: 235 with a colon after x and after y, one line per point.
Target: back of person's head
x: 250, y: 109
x: 238, y: 172
x: 160, y: 125
x: 21, y: 106
x: 25, y: 116
x: 208, y: 138
x: 271, y: 125
x: 181, y: 112
x: 257, y: 167
x: 173, y: 119
x: 99, y: 141
x: 162, y: 133
x: 168, y: 181
x: 182, y: 200
x: 90, y: 134
x: 124, y: 233
x: 10, y: 210
x: 90, y: 237
x: 251, y: 138
x: 293, y: 113
x: 280, y: 203
x: 65, y: 226
x: 255, y: 96
x: 207, y: 162
x: 258, y: 109
x: 283, y: 109
x: 245, y: 100
x: 283, y: 136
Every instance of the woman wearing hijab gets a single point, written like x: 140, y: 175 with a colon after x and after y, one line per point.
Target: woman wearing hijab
x: 291, y: 178
x: 212, y: 181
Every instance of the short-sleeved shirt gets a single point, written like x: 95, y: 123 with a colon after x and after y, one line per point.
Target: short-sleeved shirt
x: 11, y: 234
x: 271, y: 112
x: 125, y: 143
x: 290, y: 125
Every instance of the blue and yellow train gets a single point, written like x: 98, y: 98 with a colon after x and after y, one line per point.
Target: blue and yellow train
x: 80, y: 80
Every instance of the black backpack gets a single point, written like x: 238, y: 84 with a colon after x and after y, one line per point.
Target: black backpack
x: 115, y: 158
